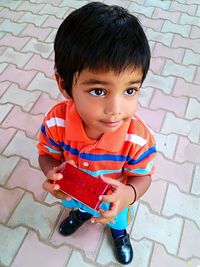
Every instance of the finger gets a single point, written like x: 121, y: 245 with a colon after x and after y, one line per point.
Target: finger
x: 54, y: 190
x: 110, y: 181
x: 108, y: 214
x: 53, y: 175
x: 59, y: 168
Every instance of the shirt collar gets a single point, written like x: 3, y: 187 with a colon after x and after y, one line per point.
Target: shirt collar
x: 75, y: 132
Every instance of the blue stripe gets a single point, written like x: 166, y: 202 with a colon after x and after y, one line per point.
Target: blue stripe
x: 43, y: 130
x: 147, y: 153
x: 102, y: 157
x: 73, y: 151
x: 53, y: 150
x: 101, y: 172
x: 141, y: 171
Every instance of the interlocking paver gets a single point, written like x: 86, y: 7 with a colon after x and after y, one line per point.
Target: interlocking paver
x: 41, y: 255
x: 36, y: 32
x: 41, y: 48
x: 56, y: 11
x: 11, y: 4
x: 166, y: 144
x: 10, y: 241
x: 43, y: 104
x: 162, y: 230
x: 135, y: 8
x: 196, y: 181
x: 75, y: 258
x: 164, y: 38
x: 35, y: 215
x: 4, y: 110
x: 183, y: 88
x: 7, y: 166
x: 16, y: 42
x: 182, y: 204
x: 164, y: 14
x: 6, y: 136
x: 10, y: 14
x: 195, y: 33
x: 191, y: 20
x: 183, y: 30
x: 183, y: 8
x: 193, y: 109
x: 33, y: 7
x: 17, y: 96
x: 180, y: 41
x: 12, y: 27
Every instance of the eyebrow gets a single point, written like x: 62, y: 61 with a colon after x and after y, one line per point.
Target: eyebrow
x: 95, y: 81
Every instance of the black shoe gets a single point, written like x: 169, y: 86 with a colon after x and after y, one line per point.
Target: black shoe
x: 71, y: 223
x: 123, y: 249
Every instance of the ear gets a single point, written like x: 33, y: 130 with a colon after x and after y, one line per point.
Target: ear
x: 61, y: 85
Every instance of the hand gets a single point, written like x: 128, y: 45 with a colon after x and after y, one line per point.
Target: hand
x: 121, y: 197
x: 53, y: 175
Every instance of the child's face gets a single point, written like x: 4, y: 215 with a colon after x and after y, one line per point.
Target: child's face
x: 106, y: 100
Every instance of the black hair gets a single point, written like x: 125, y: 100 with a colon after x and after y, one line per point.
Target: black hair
x: 99, y: 37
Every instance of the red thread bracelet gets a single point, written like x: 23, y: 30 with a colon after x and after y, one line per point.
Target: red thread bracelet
x: 134, y: 192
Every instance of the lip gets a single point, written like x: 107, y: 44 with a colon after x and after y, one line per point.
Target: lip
x: 111, y: 124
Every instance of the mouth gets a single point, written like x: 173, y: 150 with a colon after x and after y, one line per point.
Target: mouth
x: 111, y: 124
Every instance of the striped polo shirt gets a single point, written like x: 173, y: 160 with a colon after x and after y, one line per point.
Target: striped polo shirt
x: 129, y: 151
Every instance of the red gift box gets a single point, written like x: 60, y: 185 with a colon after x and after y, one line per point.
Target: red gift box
x: 82, y: 186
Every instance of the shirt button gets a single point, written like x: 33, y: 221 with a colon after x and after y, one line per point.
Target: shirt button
x: 85, y: 164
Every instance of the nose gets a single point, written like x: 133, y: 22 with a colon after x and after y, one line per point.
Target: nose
x: 113, y: 106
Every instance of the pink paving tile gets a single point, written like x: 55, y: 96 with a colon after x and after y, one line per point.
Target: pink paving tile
x: 40, y: 33
x: 176, y: 54
x: 176, y: 104
x: 6, y: 136
x: 40, y: 64
x: 87, y: 238
x: 181, y: 174
x: 33, y: 7
x: 158, y: 189
x: 152, y: 118
x: 197, y: 77
x: 34, y: 252
x: 164, y: 14
x: 155, y: 24
x: 179, y: 41
x: 175, y: 6
x: 11, y: 14
x: 12, y: 41
x: 27, y: 178
x: 21, y: 77
x: 43, y: 104
x: 3, y: 87
x: 25, y: 121
x: 124, y: 3
x: 52, y: 22
x: 156, y: 65
x: 183, y: 88
x: 9, y: 199
x: 187, y: 151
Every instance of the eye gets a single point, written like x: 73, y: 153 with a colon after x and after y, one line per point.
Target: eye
x: 97, y: 92
x: 130, y: 91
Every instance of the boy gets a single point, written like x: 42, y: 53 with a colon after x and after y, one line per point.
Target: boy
x: 101, y: 59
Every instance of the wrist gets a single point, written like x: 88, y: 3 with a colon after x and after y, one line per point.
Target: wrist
x: 134, y: 193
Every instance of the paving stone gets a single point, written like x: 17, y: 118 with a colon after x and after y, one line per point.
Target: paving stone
x: 73, y: 3
x: 12, y: 15
x: 164, y: 5
x: 196, y: 181
x: 12, y: 27
x: 52, y: 22
x: 41, y: 48
x: 145, y: 96
x: 9, y: 199
x: 186, y: 72
x: 197, y: 79
x: 29, y: 179
x: 172, y: 124
x: 171, y: 171
x: 191, y: 10
x: 41, y: 255
x: 36, y: 19
x: 124, y: 4
x: 17, y: 96
x: 149, y: 115
x: 6, y: 136
x: 7, y: 166
x: 36, y: 32
x: 33, y: 7
x: 40, y: 82
x: 183, y: 88
x: 25, y: 121
x: 191, y: 20
x: 43, y: 104
x: 50, y: 39
x: 181, y: 204
x: 176, y: 54
x: 195, y: 33
x: 156, y: 65
x: 42, y: 65
x: 175, y: 104
x: 164, y: 38
x: 190, y: 242
x: 13, y: 74
x: 3, y: 66
x: 155, y: 24
x: 16, y: 42
x: 19, y: 59
x: 164, y: 14
x: 55, y: 11
x: 158, y: 189
x: 4, y: 110
x: 164, y: 84
x: 4, y: 86
x: 161, y: 258
x: 27, y: 151
x: 166, y: 144
x: 10, y: 242
x: 180, y: 41
x: 193, y: 109
x: 162, y: 230
x: 89, y: 231
x: 35, y: 215
x: 135, y: 8
x: 187, y: 151
x: 191, y: 58
x: 183, y: 30
x: 75, y: 258
x: 11, y: 4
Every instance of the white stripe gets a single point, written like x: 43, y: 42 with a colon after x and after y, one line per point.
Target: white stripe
x: 55, y: 122
x: 135, y: 139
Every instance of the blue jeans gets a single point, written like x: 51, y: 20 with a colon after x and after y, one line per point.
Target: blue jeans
x: 121, y: 221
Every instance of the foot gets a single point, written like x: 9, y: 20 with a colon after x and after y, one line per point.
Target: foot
x: 123, y: 249
x: 71, y: 223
